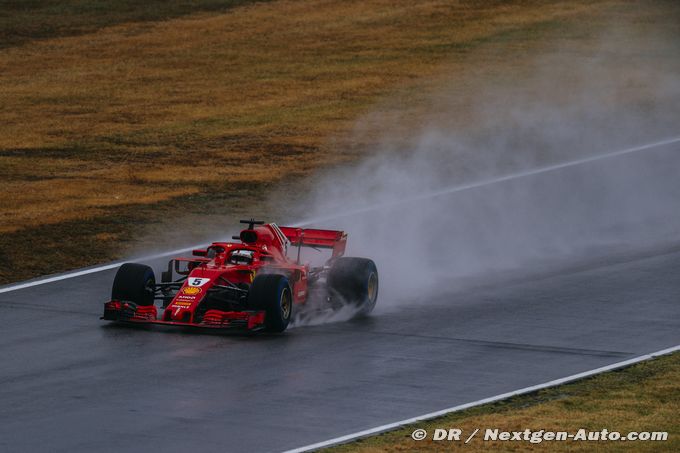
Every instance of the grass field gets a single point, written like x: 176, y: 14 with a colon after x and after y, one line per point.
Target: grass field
x: 121, y: 121
x: 645, y: 397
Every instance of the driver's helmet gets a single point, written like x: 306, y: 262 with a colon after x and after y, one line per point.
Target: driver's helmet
x: 241, y: 257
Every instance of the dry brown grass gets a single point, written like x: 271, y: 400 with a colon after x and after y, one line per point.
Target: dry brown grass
x: 140, y: 113
x: 645, y: 397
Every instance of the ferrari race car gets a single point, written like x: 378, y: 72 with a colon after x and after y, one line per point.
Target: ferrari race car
x: 250, y: 285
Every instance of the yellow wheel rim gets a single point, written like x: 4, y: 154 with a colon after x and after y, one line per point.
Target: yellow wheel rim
x: 286, y: 303
x: 372, y: 286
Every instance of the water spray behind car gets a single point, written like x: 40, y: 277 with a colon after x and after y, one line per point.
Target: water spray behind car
x: 576, y: 160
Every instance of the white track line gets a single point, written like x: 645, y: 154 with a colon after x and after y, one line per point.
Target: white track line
x: 93, y: 270
x: 445, y: 191
x: 492, y: 399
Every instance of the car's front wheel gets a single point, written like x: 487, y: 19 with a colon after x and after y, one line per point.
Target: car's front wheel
x: 272, y: 293
x: 134, y: 283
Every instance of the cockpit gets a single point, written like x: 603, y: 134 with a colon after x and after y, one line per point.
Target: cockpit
x: 241, y: 256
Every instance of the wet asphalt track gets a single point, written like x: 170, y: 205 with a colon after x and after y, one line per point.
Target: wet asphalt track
x: 71, y: 383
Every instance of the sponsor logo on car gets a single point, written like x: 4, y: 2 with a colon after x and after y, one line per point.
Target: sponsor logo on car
x: 191, y: 290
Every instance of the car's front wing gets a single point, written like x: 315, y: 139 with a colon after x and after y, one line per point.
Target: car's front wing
x: 128, y: 312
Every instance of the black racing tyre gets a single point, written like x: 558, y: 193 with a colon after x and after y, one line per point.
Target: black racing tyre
x: 134, y: 283
x: 355, y: 282
x: 272, y: 293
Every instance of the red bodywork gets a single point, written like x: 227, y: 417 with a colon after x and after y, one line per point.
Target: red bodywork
x: 224, y: 268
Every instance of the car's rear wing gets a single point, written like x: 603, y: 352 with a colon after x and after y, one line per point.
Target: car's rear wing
x: 309, y: 237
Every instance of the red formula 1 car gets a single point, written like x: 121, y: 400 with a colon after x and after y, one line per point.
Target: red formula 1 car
x: 250, y: 285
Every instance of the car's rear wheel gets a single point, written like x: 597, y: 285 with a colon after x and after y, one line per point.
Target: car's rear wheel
x: 272, y: 293
x: 134, y: 283
x: 354, y: 281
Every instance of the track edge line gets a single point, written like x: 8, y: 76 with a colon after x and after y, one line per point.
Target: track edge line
x: 492, y: 399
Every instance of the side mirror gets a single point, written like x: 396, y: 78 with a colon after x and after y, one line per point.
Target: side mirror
x: 200, y: 252
x: 166, y: 276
